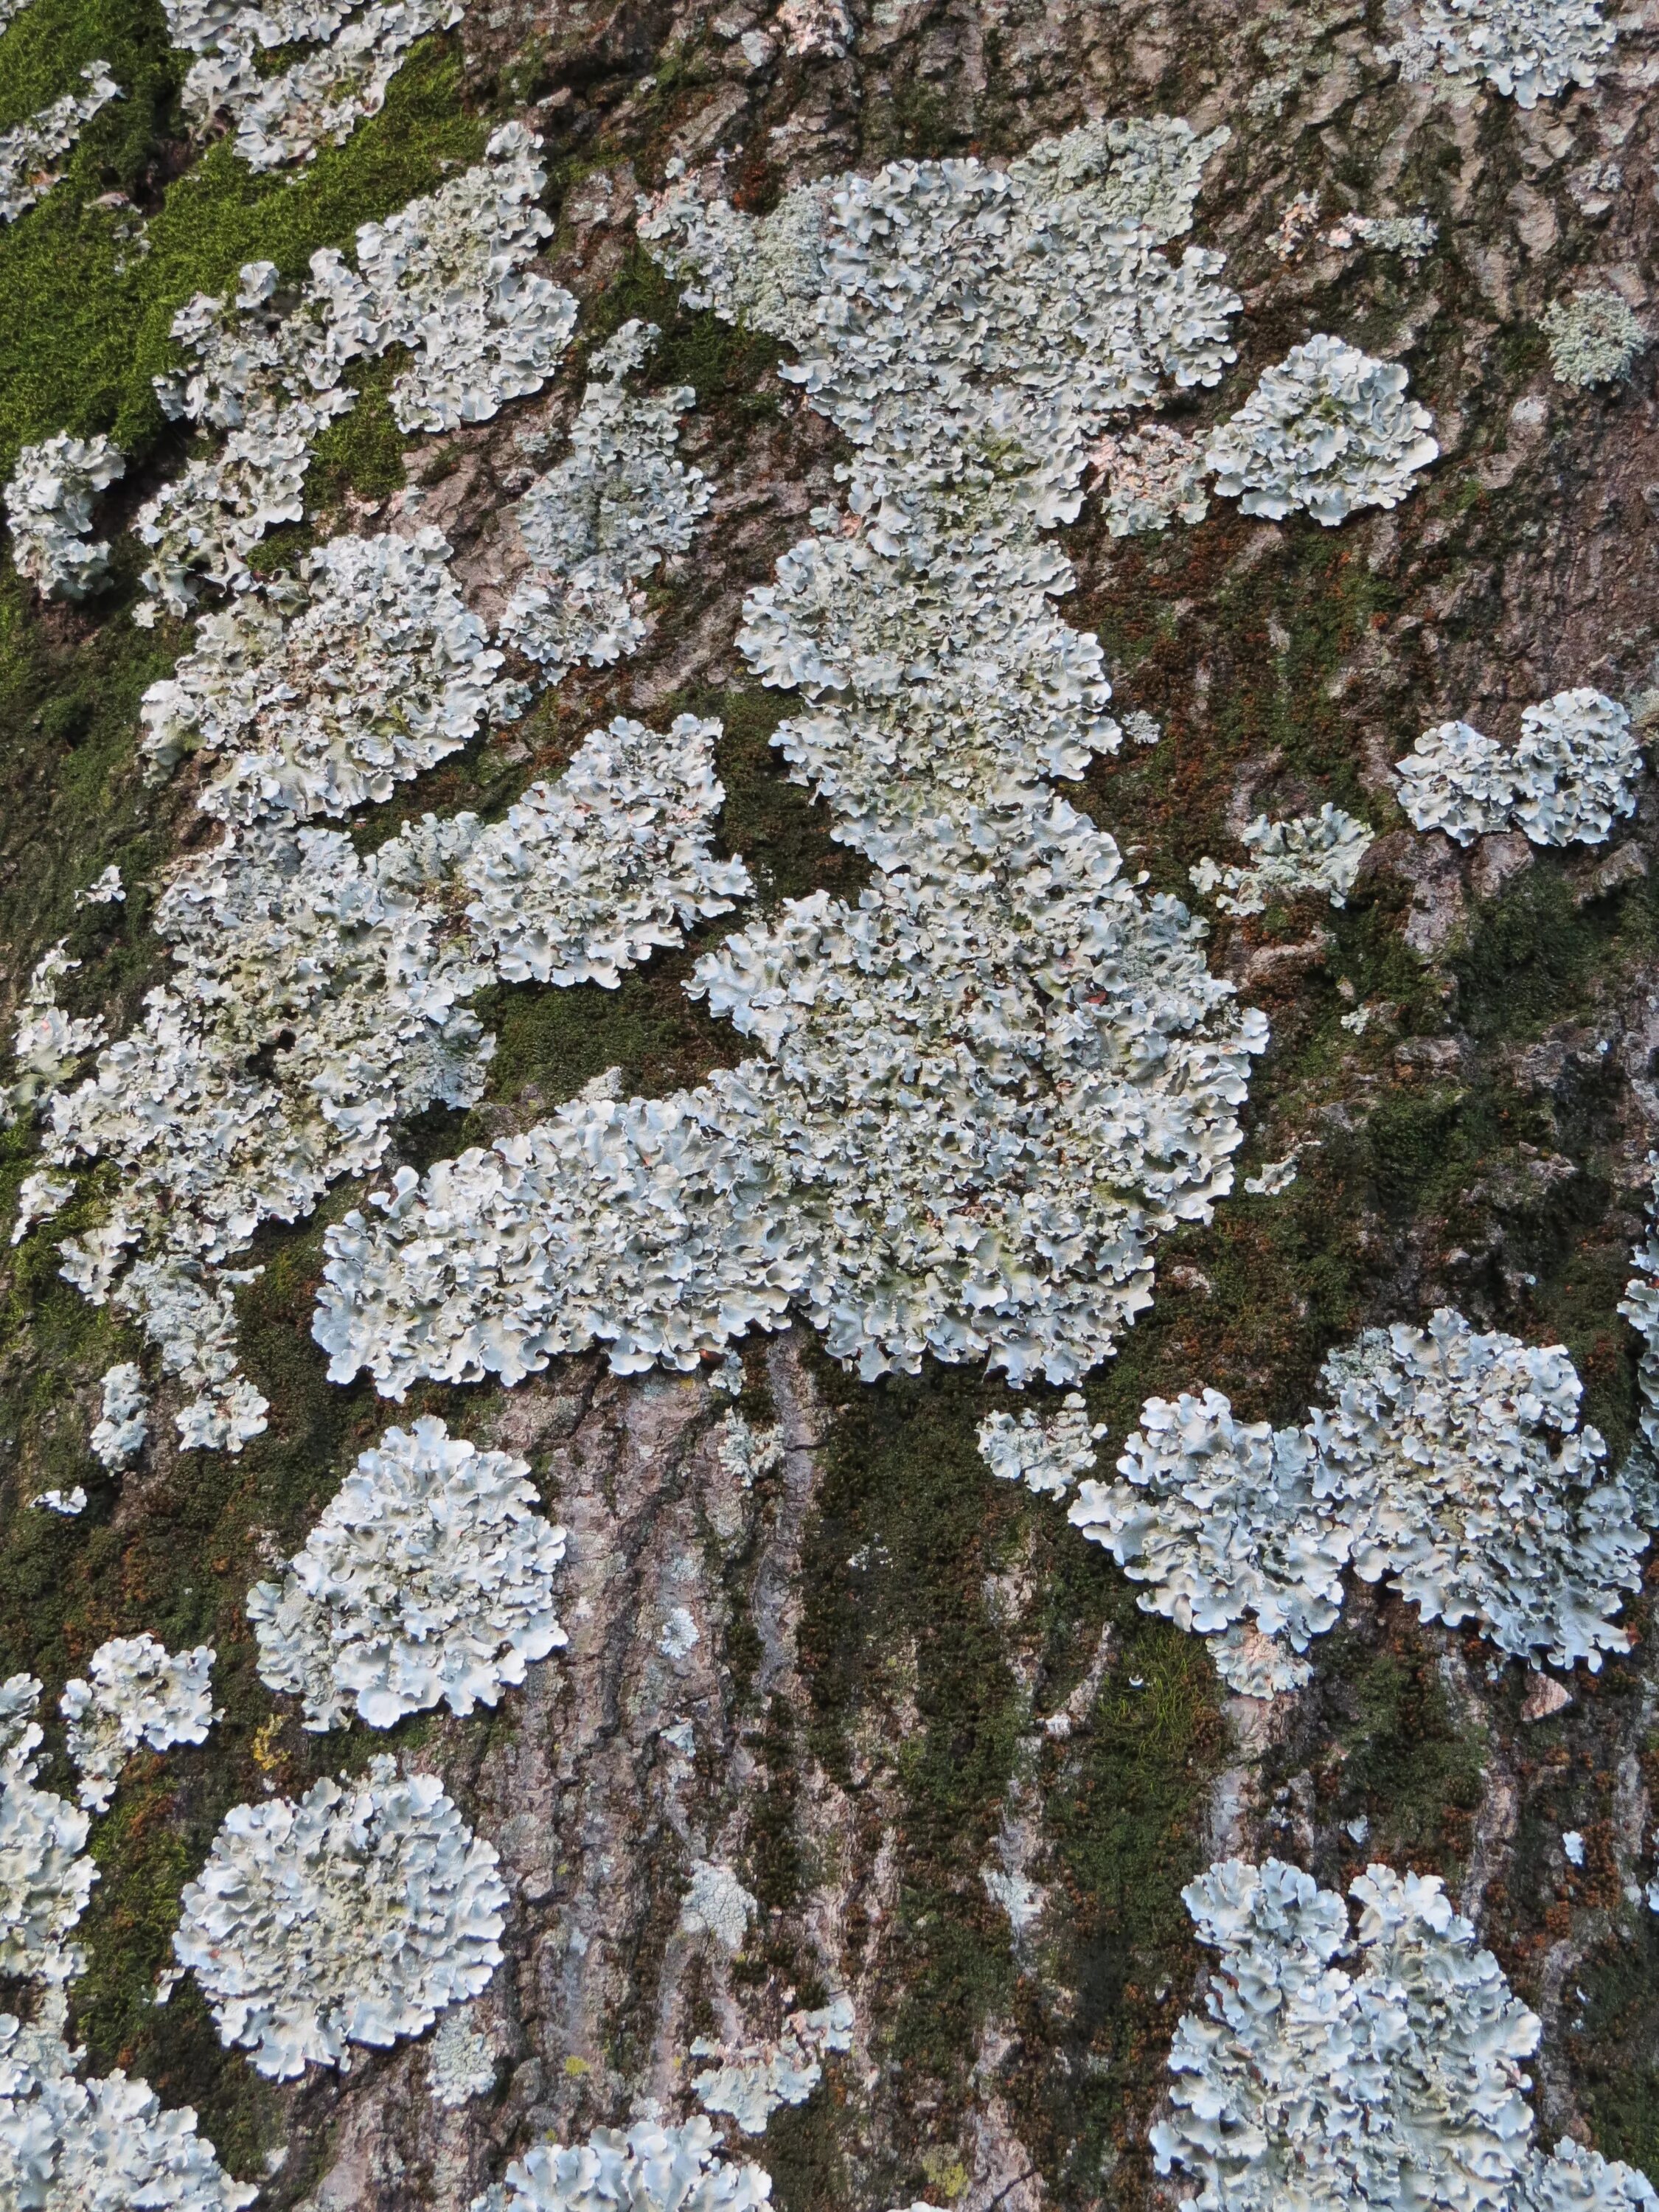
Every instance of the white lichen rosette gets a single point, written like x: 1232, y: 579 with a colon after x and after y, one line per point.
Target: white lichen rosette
x: 1594, y: 337
x: 1466, y: 1481
x: 140, y: 1697
x: 1395, y: 2078
x: 1047, y: 1456
x: 1230, y: 1524
x: 1312, y: 852
x: 650, y: 2168
x: 1450, y: 1462
x: 427, y: 1580
x: 356, y: 1916
x: 1327, y: 431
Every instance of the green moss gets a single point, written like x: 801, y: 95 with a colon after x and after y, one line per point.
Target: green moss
x: 722, y: 360
x: 1534, y: 949
x: 84, y: 319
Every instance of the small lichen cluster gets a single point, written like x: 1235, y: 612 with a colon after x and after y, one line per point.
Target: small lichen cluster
x: 1327, y: 431
x: 45, y: 1877
x: 49, y: 509
x: 283, y: 115
x: 119, y: 1433
x: 749, y: 2081
x: 1640, y: 1307
x: 140, y: 1697
x: 32, y: 153
x: 649, y: 2169
x: 1448, y: 1461
x: 428, y: 1579
x: 103, y: 2144
x: 1528, y: 50
x: 1593, y: 337
x: 444, y: 277
x: 1319, y: 852
x: 356, y: 1916
x: 1413, y: 237
x: 984, y: 1091
x: 1151, y: 477
x: 1574, y: 771
x: 46, y: 1044
x: 598, y: 525
x: 1394, y: 2079
x: 1047, y: 1456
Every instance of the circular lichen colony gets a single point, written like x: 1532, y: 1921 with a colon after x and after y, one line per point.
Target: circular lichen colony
x: 356, y: 1916
x: 428, y: 1579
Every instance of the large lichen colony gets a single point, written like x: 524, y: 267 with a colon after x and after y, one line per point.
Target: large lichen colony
x: 979, y: 1093
x: 1449, y: 1459
x: 1397, y: 2081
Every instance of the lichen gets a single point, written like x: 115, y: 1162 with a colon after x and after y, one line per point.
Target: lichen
x: 749, y: 2081
x: 1593, y: 337
x: 49, y: 507
x: 1527, y: 50
x: 356, y: 1916
x: 319, y: 100
x: 1151, y: 478
x: 1397, y: 2079
x: 1047, y: 1456
x: 942, y: 693
x: 319, y: 693
x: 444, y: 277
x: 1451, y: 1462
x: 649, y: 2169
x: 45, y: 1878
x: 428, y: 1579
x: 1319, y: 852
x: 119, y: 1432
x: 598, y: 525
x: 1325, y: 432
x: 101, y: 2144
x: 1231, y: 1524
x: 1574, y: 771
x: 140, y: 1697
x: 32, y: 153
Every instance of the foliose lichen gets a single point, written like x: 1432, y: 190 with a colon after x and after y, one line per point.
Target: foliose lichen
x: 428, y: 1579
x: 1047, y: 1456
x: 1574, y: 772
x: 1528, y: 50
x: 98, y: 2144
x: 974, y: 332
x: 1327, y: 431
x: 283, y: 116
x: 1594, y: 337
x: 45, y: 1877
x: 356, y: 1916
x: 49, y: 509
x: 32, y: 153
x: 648, y: 2169
x: 140, y: 1697
x: 1394, y: 2079
x: 1319, y: 852
x: 600, y: 522
x: 1449, y: 1461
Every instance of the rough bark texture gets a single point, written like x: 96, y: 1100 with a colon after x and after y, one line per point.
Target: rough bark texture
x: 906, y: 1674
